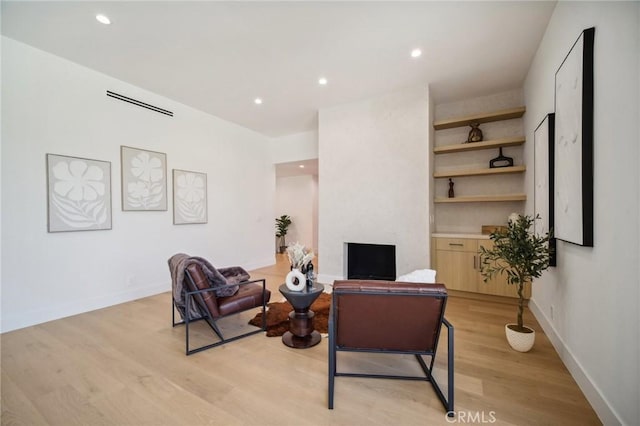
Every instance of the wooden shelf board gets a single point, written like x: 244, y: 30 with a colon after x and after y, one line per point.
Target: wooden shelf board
x: 482, y: 198
x: 474, y: 146
x: 505, y: 114
x: 479, y: 172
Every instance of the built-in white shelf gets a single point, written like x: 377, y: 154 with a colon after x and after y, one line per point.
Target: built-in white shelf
x: 505, y: 114
x: 479, y: 172
x: 483, y: 198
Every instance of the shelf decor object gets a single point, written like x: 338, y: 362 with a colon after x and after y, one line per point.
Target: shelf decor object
x: 79, y: 194
x: 144, y: 179
x: 189, y: 197
x: 543, y: 180
x: 475, y: 134
x: 500, y: 161
x: 573, y: 148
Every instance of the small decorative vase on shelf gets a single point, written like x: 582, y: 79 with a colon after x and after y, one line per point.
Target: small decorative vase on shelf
x: 309, y: 274
x: 295, y: 280
x: 475, y: 134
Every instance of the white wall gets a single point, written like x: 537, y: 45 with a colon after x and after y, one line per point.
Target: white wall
x: 374, y: 179
x: 594, y: 292
x: 51, y: 105
x: 1, y: 149
x: 295, y: 196
x: 296, y: 147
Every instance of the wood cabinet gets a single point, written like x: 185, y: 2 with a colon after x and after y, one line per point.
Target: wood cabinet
x: 457, y: 262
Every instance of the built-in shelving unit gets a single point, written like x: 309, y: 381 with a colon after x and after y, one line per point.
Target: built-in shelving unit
x: 505, y: 114
x: 481, y: 195
x: 483, y: 198
x: 479, y: 172
x: 474, y: 146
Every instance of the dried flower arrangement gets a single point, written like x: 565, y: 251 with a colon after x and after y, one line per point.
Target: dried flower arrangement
x: 299, y: 256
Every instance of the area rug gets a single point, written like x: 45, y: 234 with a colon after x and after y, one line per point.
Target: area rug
x: 278, y: 316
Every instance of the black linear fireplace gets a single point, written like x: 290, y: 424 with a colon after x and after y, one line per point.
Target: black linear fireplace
x: 370, y: 261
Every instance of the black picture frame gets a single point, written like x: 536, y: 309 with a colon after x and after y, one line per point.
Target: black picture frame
x: 573, y: 143
x: 543, y: 159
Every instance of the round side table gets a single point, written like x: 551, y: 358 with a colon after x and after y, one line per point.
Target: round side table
x: 301, y: 332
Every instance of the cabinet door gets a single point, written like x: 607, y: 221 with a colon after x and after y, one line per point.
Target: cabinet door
x: 498, y: 284
x: 455, y: 269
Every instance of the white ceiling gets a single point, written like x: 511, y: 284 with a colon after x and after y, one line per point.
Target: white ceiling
x: 219, y: 56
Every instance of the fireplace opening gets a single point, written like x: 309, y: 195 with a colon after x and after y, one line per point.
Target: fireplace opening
x: 370, y: 261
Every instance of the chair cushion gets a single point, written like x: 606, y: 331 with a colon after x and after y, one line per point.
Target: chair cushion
x: 207, y: 300
x: 249, y: 296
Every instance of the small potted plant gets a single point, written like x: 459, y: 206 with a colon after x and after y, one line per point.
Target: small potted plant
x: 522, y: 255
x: 282, y: 226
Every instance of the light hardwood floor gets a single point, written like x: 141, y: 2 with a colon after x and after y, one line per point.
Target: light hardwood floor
x: 125, y: 365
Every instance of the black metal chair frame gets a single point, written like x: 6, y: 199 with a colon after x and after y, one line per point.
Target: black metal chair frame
x: 447, y: 402
x: 189, y: 297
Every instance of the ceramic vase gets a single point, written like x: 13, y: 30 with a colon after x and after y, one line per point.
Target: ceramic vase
x: 295, y: 280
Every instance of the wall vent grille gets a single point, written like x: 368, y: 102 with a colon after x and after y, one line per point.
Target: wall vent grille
x: 139, y: 103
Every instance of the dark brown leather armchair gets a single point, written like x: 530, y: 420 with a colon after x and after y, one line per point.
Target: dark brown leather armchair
x: 196, y: 298
x: 390, y: 317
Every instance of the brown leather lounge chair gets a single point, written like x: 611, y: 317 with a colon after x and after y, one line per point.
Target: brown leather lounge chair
x: 390, y: 317
x: 202, y: 292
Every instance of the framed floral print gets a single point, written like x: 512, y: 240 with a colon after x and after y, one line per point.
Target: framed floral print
x: 144, y: 179
x: 189, y: 197
x: 78, y: 194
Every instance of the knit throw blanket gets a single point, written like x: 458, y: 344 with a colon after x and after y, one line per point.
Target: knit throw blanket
x: 225, y: 280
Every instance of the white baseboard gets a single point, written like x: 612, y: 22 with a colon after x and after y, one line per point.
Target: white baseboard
x: 29, y: 318
x: 591, y: 391
x: 267, y: 261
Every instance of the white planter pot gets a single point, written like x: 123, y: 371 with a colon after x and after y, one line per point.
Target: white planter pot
x: 521, y: 342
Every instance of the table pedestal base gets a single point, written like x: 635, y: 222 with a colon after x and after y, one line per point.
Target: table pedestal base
x: 301, y: 334
x: 301, y: 342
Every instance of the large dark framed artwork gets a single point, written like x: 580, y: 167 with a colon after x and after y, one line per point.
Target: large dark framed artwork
x: 543, y: 160
x: 573, y: 148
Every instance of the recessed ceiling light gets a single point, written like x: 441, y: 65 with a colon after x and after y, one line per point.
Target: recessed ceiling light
x: 322, y: 81
x: 257, y: 101
x: 415, y: 53
x: 301, y: 166
x: 103, y: 19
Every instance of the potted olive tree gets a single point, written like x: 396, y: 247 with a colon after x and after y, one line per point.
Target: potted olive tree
x: 522, y: 255
x: 282, y: 226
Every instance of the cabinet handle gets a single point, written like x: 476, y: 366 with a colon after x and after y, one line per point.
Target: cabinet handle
x: 456, y: 244
x: 474, y: 263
